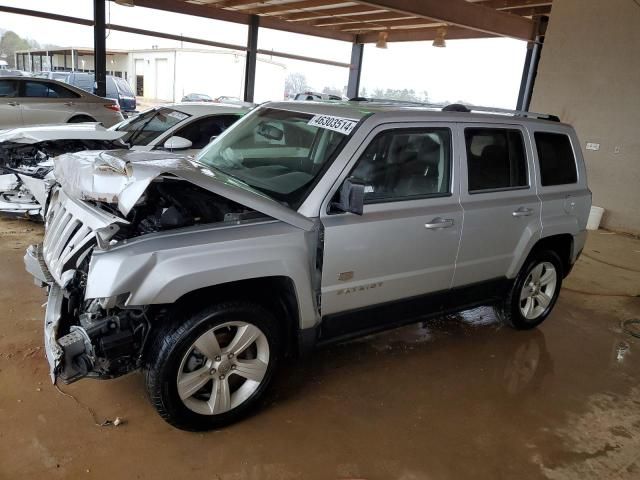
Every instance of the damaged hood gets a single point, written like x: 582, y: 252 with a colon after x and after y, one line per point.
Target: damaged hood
x: 65, y: 131
x: 122, y: 176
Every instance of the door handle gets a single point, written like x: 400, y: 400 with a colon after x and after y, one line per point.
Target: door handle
x: 69, y: 104
x: 13, y: 104
x: 439, y: 223
x: 522, y: 212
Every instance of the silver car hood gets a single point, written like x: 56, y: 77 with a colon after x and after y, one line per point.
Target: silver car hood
x: 122, y: 176
x: 65, y: 131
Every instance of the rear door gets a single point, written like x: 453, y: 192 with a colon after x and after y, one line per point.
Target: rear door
x: 500, y: 202
x: 562, y: 183
x: 10, y: 110
x: 46, y: 102
x: 405, y: 243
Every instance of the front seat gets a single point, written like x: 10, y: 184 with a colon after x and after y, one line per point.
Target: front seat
x: 421, y: 174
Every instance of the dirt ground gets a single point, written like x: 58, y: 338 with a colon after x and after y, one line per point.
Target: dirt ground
x: 455, y: 398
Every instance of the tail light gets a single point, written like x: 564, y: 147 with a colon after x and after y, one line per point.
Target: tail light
x: 112, y: 106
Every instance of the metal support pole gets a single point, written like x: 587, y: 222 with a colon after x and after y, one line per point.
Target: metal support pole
x: 100, y: 47
x: 530, y: 70
x: 355, y: 70
x: 252, y: 58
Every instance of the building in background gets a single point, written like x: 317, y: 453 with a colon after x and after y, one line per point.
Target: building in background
x: 171, y: 73
x: 70, y: 59
x: 167, y: 74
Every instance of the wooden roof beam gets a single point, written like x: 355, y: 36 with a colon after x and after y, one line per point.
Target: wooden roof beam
x: 243, y: 18
x: 357, y: 11
x: 378, y: 17
x: 463, y: 14
x: 509, y: 4
x: 274, y: 9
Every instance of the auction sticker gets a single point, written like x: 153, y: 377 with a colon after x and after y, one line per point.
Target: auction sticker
x: 337, y: 124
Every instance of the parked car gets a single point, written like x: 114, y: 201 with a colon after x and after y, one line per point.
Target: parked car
x: 7, y: 72
x: 188, y: 126
x: 315, y: 96
x: 26, y: 161
x: 33, y: 101
x: 26, y: 154
x: 197, y: 97
x: 304, y: 223
x: 55, y: 75
x: 117, y: 89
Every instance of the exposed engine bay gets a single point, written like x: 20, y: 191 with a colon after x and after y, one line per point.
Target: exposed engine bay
x: 25, y: 196
x: 171, y: 202
x: 102, y: 338
x: 17, y: 155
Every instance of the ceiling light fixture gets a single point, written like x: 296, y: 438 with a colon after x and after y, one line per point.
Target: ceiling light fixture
x: 382, y: 40
x: 439, y: 40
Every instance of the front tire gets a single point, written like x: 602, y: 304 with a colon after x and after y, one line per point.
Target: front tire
x: 213, y: 367
x: 535, y: 291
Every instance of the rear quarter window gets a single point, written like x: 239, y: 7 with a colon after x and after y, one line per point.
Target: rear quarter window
x: 556, y: 158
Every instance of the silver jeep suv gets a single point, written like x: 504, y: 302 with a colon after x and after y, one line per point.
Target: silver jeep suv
x: 302, y: 224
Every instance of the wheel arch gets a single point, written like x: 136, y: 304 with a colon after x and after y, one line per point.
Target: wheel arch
x: 562, y: 244
x: 275, y: 293
x: 78, y: 116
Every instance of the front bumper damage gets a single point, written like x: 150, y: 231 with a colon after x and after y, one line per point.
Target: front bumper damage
x: 96, y: 337
x: 34, y: 264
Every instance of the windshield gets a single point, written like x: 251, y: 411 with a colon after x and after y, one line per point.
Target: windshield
x: 278, y: 152
x: 149, y: 125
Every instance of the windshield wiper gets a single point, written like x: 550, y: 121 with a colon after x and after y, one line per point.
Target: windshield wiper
x: 140, y: 130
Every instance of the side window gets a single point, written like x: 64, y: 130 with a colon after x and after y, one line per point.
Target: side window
x: 35, y: 89
x: 58, y: 91
x: 557, y: 161
x: 47, y: 90
x: 496, y: 159
x: 8, y: 88
x: 200, y: 131
x: 400, y: 164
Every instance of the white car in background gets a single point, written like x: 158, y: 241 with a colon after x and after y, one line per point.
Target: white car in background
x: 38, y: 101
x: 26, y: 154
x: 179, y: 126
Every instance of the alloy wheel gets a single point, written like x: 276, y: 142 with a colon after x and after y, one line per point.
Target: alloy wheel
x: 538, y: 290
x: 223, y: 368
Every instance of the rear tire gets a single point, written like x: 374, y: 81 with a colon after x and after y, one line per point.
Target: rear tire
x: 234, y: 346
x: 82, y: 119
x: 534, y: 292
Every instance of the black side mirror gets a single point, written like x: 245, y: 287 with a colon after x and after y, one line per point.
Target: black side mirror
x: 351, y: 196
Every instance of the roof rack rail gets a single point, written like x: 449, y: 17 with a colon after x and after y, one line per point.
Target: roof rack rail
x: 459, y: 107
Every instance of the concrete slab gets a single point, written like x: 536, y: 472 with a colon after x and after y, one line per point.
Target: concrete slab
x: 458, y: 397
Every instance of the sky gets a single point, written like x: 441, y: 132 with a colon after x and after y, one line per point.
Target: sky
x: 482, y: 71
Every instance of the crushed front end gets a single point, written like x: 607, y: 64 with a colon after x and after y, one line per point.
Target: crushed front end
x: 100, y: 337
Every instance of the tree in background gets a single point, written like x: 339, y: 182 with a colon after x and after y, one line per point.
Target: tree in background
x: 10, y: 43
x: 333, y: 91
x: 295, y: 83
x: 405, y: 95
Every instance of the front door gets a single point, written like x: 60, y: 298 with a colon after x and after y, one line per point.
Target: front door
x: 500, y: 202
x: 405, y: 243
x: 10, y: 111
x: 46, y: 103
